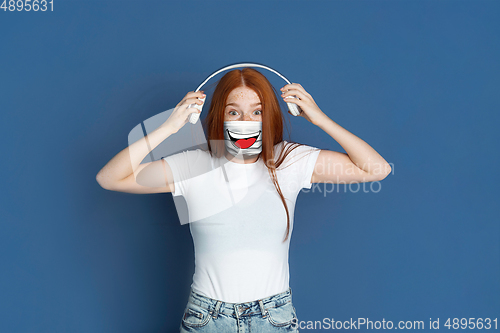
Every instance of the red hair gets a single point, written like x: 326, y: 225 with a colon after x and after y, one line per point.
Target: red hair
x: 272, y: 121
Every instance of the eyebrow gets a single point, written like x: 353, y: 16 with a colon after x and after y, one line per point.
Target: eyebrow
x: 236, y: 104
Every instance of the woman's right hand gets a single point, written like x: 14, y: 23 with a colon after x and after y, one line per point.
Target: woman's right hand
x: 179, y: 116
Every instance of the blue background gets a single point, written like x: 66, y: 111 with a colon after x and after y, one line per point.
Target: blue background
x: 417, y: 80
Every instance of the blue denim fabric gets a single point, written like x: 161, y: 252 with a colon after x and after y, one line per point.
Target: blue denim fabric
x: 275, y: 313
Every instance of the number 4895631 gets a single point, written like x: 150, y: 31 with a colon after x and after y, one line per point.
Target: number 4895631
x: 27, y: 5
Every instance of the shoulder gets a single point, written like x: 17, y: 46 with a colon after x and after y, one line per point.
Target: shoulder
x: 290, y: 152
x: 189, y: 156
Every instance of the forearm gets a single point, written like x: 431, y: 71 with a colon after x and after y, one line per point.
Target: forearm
x: 360, y: 152
x: 128, y: 160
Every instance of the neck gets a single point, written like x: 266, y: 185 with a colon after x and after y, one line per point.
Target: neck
x: 245, y: 160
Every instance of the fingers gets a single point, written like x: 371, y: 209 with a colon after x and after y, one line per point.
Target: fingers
x: 295, y: 86
x: 299, y: 101
x: 193, y: 94
x: 192, y: 97
x: 294, y: 92
x: 193, y: 100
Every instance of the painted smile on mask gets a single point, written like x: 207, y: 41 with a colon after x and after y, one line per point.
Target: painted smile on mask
x: 243, y: 141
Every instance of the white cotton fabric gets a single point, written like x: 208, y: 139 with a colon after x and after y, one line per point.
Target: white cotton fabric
x: 238, y: 225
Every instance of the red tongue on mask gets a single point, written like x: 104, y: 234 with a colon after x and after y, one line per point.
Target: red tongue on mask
x: 245, y: 143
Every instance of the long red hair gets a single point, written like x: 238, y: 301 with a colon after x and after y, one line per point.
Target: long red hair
x: 272, y: 121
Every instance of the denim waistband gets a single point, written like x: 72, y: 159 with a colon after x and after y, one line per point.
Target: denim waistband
x: 240, y: 309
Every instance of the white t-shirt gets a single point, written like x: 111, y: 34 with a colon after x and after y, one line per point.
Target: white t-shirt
x: 238, y: 221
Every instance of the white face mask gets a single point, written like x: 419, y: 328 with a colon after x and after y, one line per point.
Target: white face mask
x: 243, y: 137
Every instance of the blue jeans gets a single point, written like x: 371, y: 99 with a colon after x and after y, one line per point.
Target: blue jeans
x: 275, y: 313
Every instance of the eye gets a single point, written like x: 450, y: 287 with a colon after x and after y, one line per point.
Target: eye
x: 259, y: 112
x: 233, y: 114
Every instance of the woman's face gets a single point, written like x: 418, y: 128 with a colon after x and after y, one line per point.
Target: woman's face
x: 243, y: 104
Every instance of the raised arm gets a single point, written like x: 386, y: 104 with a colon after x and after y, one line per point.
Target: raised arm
x: 361, y: 164
x: 125, y: 173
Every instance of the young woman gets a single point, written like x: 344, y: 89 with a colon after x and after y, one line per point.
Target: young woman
x: 241, y: 196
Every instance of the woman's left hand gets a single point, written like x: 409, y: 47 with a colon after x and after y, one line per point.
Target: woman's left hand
x: 310, y: 110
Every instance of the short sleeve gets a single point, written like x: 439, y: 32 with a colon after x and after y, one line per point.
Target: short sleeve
x: 184, y: 168
x: 308, y: 165
x: 307, y: 157
x: 300, y: 163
